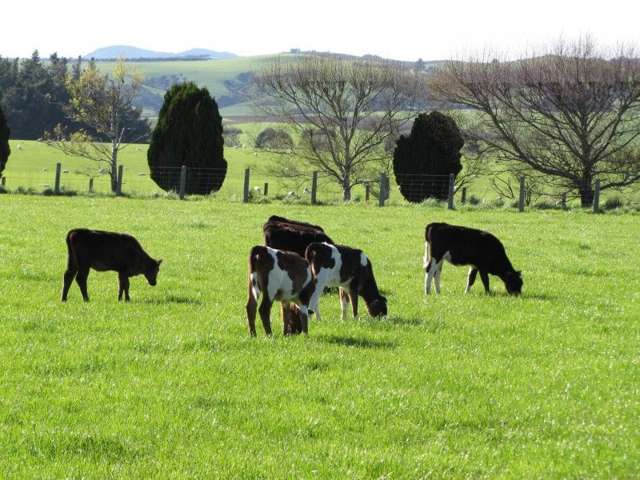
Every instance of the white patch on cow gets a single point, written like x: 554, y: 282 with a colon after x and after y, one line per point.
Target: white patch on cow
x: 427, y: 255
x: 468, y: 287
x: 434, y: 272
x: 326, y: 277
x: 363, y: 259
x: 255, y: 288
x: 279, y: 281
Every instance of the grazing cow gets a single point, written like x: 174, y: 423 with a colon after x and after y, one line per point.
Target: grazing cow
x: 467, y: 246
x: 105, y: 251
x: 278, y: 275
x: 294, y: 236
x: 349, y: 269
x: 285, y: 234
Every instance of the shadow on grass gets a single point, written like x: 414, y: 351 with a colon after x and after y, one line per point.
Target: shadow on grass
x: 173, y: 299
x: 357, y: 342
x: 543, y: 297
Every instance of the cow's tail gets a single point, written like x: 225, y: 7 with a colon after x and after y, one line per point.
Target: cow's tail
x: 256, y: 257
x: 310, y: 255
x: 426, y: 260
x: 72, y: 259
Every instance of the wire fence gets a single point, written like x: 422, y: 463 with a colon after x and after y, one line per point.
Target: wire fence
x: 257, y: 186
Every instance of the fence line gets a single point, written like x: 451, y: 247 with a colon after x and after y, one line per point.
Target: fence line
x: 255, y: 185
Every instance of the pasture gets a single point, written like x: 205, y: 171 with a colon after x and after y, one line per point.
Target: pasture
x: 171, y: 386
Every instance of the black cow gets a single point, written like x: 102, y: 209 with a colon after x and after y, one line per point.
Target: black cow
x: 291, y: 235
x: 105, y: 251
x: 467, y: 246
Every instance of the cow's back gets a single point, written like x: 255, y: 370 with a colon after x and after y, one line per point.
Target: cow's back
x: 284, y: 234
x: 104, y: 250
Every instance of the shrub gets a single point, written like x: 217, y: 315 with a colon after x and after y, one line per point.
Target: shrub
x: 432, y: 148
x: 231, y: 136
x: 613, y: 202
x: 5, y: 151
x: 275, y: 139
x: 473, y: 200
x: 188, y: 132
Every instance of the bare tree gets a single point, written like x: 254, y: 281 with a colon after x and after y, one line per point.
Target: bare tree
x: 102, y: 102
x: 342, y: 111
x: 571, y: 114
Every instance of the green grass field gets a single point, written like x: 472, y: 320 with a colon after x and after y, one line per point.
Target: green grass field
x: 453, y: 386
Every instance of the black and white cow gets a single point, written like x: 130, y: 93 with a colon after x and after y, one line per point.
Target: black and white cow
x: 347, y: 268
x: 467, y: 246
x: 105, y: 251
x: 293, y: 236
x: 278, y: 275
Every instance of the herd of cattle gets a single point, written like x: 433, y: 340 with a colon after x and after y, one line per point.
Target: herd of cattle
x: 296, y: 264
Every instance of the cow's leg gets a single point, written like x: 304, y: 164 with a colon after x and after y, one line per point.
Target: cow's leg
x: 304, y: 319
x: 81, y: 280
x: 484, y: 276
x: 314, y: 302
x: 353, y: 297
x: 124, y: 286
x: 471, y: 279
x: 252, y: 308
x: 344, y: 303
x: 432, y: 268
x: 265, y: 312
x: 69, y: 275
x: 439, y: 266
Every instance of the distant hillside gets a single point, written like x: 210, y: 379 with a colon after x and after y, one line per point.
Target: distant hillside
x: 228, y: 80
x: 134, y: 53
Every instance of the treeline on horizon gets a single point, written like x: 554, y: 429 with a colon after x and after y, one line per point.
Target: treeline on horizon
x: 34, y: 97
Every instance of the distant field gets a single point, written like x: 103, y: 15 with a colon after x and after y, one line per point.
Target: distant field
x: 206, y: 73
x: 32, y: 166
x: 453, y: 386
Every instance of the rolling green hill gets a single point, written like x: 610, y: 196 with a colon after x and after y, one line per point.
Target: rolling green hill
x: 226, y: 79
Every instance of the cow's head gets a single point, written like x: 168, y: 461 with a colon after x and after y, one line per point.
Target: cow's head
x: 377, y: 307
x: 151, y: 274
x: 513, y: 282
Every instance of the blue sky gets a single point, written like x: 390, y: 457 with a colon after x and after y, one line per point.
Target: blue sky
x: 401, y: 29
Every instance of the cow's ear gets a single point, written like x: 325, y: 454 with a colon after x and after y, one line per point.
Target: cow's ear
x: 519, y: 273
x: 159, y: 262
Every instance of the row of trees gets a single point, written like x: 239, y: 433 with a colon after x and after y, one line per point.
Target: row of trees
x: 571, y: 115
x: 96, y: 119
x: 5, y: 151
x: 38, y: 95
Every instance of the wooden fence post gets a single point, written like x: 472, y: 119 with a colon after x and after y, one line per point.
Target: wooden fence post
x: 90, y: 184
x: 314, y: 188
x: 463, y: 198
x: 522, y: 195
x: 563, y: 201
x: 367, y: 191
x: 183, y: 181
x: 3, y: 181
x: 56, y: 185
x: 119, y: 182
x: 265, y: 192
x: 596, y: 197
x: 383, y: 190
x: 245, y: 191
x: 452, y: 180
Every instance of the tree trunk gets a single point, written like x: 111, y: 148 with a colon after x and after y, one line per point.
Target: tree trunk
x: 114, y: 169
x: 346, y: 189
x: 586, y: 191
